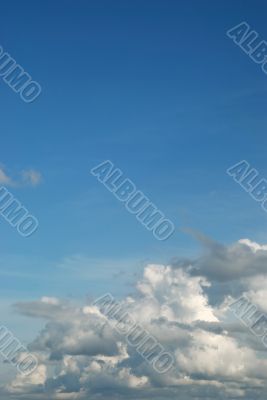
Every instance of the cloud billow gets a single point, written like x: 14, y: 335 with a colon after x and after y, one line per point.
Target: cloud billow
x: 81, y: 356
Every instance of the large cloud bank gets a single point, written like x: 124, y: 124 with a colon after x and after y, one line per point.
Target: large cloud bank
x: 185, y: 306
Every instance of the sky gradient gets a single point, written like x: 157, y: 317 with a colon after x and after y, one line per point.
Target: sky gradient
x: 158, y: 88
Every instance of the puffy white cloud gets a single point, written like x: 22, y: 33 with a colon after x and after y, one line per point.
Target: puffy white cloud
x: 234, y: 262
x: 82, y: 356
x: 172, y: 294
x: 31, y: 382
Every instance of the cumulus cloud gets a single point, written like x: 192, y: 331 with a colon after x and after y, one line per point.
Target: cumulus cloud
x: 81, y: 356
x: 221, y: 263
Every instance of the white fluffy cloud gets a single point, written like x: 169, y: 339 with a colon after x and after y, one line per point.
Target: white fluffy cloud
x: 81, y: 356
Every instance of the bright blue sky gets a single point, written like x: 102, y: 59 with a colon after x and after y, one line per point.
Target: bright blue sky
x: 158, y: 88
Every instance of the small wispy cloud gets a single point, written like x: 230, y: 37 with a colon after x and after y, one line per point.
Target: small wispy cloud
x: 5, y: 179
x: 27, y: 177
x: 31, y: 177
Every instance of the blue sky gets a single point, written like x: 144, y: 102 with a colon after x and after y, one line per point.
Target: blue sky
x: 159, y: 89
